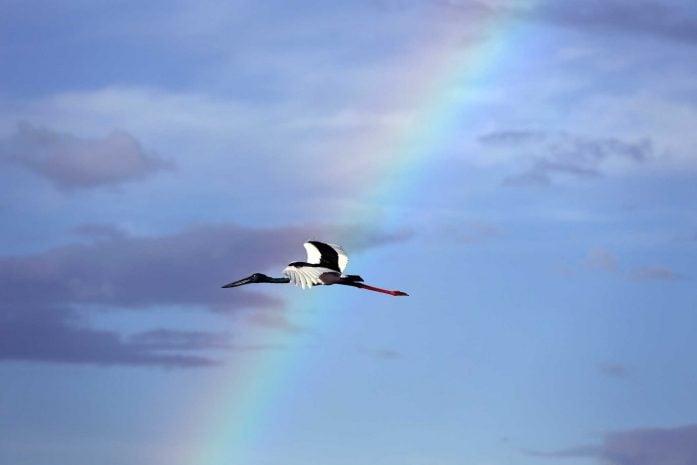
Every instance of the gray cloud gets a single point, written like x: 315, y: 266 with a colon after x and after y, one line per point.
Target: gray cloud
x: 649, y: 18
x: 70, y: 162
x: 45, y: 294
x: 180, y: 340
x: 511, y: 137
x: 135, y: 272
x: 274, y: 319
x: 650, y: 446
x: 51, y: 334
x: 665, y: 20
x: 167, y: 339
x: 385, y: 354
x: 100, y: 231
x: 613, y: 370
x: 571, y: 452
x: 600, y: 259
x: 560, y: 154
x: 654, y: 273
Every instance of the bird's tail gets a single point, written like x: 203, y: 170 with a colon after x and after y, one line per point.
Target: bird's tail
x: 352, y: 278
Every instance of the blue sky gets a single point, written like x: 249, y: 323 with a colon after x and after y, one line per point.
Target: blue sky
x: 546, y: 234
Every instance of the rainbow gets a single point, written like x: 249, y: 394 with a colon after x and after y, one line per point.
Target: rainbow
x: 240, y: 400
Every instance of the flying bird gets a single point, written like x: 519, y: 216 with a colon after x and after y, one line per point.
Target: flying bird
x: 324, y: 266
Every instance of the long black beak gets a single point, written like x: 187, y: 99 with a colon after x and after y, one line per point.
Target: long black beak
x: 246, y: 280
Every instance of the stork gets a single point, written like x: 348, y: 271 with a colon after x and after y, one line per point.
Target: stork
x: 324, y: 266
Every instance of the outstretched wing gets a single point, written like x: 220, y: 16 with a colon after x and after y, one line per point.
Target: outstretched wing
x: 331, y: 256
x: 306, y: 276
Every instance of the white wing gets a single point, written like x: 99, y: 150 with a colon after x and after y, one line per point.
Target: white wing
x: 343, y: 258
x: 314, y: 254
x: 305, y: 276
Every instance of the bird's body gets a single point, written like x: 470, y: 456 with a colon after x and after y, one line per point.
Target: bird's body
x: 324, y: 266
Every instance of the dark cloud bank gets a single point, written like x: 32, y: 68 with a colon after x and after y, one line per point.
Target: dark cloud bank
x: 43, y: 314
x: 70, y: 162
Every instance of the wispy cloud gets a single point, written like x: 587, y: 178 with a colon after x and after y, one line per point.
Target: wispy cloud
x: 274, y: 319
x: 358, y: 237
x: 383, y: 353
x: 649, y: 446
x: 600, y: 259
x: 613, y: 370
x: 552, y: 155
x: 71, y: 162
x: 654, y: 273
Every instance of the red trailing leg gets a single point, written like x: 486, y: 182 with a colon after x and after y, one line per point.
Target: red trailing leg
x: 377, y: 289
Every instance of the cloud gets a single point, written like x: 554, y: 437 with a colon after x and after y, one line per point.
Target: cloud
x: 600, y: 259
x: 98, y: 231
x: 184, y: 268
x: 571, y: 452
x: 510, y: 137
x: 70, y: 162
x: 654, y: 273
x: 665, y: 20
x: 649, y: 446
x: 359, y: 237
x: 45, y: 295
x: 136, y: 272
x: 647, y: 18
x: 180, y: 340
x: 43, y: 333
x: 552, y: 155
x: 613, y: 370
x: 274, y: 319
x: 384, y: 354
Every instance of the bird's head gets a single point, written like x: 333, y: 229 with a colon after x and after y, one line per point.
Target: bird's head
x: 255, y: 278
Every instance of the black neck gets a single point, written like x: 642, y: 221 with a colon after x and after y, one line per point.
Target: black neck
x: 277, y: 280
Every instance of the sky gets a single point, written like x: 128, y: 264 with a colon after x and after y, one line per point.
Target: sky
x: 525, y: 170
